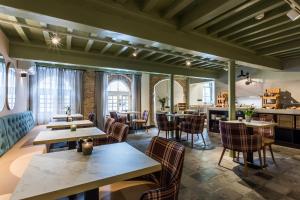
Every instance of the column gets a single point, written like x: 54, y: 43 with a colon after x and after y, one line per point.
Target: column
x: 187, y: 93
x: 172, y: 92
x: 231, y: 90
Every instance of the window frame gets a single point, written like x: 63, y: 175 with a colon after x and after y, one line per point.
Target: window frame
x: 10, y: 65
x: 119, y: 95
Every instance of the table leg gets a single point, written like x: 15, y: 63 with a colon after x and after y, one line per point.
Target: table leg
x: 91, y: 194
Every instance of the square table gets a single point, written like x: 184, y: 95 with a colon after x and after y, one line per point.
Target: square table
x: 65, y: 135
x: 65, y: 116
x: 250, y: 125
x: 63, y: 125
x: 64, y: 173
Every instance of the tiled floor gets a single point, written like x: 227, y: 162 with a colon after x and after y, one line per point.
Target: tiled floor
x: 203, y: 179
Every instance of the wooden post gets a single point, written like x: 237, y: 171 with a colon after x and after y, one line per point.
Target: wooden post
x: 187, y: 93
x: 231, y: 90
x: 172, y: 93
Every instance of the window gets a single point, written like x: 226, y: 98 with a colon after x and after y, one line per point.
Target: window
x: 118, y: 96
x: 11, y: 87
x: 2, y: 83
x: 208, y: 92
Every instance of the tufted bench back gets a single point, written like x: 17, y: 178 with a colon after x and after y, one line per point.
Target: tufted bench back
x: 13, y: 128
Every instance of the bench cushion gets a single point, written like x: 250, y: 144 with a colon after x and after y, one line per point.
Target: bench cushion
x: 4, y: 145
x: 17, y: 125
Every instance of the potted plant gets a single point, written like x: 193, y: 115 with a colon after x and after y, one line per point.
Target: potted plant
x: 162, y: 102
x: 68, y: 110
x: 248, y: 113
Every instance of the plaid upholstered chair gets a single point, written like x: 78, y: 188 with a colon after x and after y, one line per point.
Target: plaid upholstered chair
x: 163, y: 124
x: 194, y: 125
x: 141, y: 121
x: 267, y: 138
x: 119, y: 132
x: 171, y: 155
x: 117, y: 117
x: 234, y: 137
x: 107, y: 129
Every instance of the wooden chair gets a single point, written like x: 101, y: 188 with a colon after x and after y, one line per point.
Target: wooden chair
x: 119, y: 132
x: 234, y: 137
x: 142, y: 121
x: 194, y: 125
x: 117, y: 117
x: 107, y: 129
x: 164, y: 125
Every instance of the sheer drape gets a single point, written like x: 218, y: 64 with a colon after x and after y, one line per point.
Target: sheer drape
x: 101, y: 98
x: 136, y: 92
x: 52, y: 90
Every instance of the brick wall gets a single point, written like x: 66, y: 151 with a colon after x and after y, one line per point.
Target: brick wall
x: 88, y: 93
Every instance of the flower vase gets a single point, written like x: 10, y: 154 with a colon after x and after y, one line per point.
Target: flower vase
x: 248, y: 118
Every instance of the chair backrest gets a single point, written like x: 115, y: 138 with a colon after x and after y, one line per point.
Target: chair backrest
x: 114, y: 115
x: 119, y: 132
x: 171, y: 155
x: 234, y: 136
x: 108, y: 125
x: 266, y: 132
x: 197, y: 123
x: 162, y: 121
x: 92, y: 117
x: 146, y: 115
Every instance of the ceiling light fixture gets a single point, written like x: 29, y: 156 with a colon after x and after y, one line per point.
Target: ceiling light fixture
x: 135, y: 53
x: 294, y: 13
x: 188, y: 63
x: 55, y: 40
x: 260, y: 16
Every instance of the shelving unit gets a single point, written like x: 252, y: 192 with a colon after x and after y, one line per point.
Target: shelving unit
x: 222, y: 100
x: 271, y: 98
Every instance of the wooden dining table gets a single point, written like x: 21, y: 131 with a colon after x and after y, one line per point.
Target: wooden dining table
x: 65, y: 116
x: 64, y: 125
x: 64, y: 173
x: 250, y: 125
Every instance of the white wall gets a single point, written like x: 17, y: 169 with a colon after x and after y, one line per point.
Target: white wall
x: 196, y: 92
x: 22, y: 89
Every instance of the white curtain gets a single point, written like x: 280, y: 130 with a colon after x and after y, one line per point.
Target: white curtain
x: 136, y: 92
x: 52, y: 90
x: 101, y: 98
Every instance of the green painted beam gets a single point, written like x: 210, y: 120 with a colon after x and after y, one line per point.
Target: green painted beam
x: 231, y: 90
x: 263, y: 6
x: 290, y: 46
x: 176, y: 7
x: 278, y: 36
x: 97, y: 60
x: 277, y: 42
x: 250, y: 24
x: 269, y: 32
x: 205, y: 11
x: 139, y: 25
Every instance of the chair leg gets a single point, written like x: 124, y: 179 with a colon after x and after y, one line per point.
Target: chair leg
x: 238, y: 156
x: 272, y: 154
x: 203, y: 139
x: 158, y: 132
x: 264, y: 155
x: 245, y: 164
x: 260, y: 160
x: 222, y: 154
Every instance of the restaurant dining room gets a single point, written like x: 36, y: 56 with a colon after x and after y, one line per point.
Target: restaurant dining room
x: 149, y: 100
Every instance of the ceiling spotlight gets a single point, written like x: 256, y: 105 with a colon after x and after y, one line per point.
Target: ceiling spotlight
x: 188, y: 63
x: 55, y: 40
x: 225, y: 69
x: 135, y: 53
x: 260, y: 16
x: 294, y: 13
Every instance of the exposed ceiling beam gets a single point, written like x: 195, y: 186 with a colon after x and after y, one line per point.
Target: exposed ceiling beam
x: 169, y: 59
x: 149, y: 5
x: 245, y: 26
x: 228, y: 14
x: 123, y: 49
x: 176, y: 7
x: 45, y: 33
x: 69, y: 39
x: 205, y: 11
x: 112, y: 18
x: 19, y: 29
x: 260, y: 28
x: 105, y: 48
x: 277, y: 42
x: 147, y: 55
x: 159, y: 57
x: 275, y: 37
x: 249, y: 13
x: 90, y: 43
x: 270, y: 32
x: 290, y: 46
x: 95, y: 60
x: 121, y: 1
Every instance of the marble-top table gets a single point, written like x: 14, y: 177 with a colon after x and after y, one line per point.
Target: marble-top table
x: 255, y: 123
x: 65, y: 116
x: 60, y: 174
x: 65, y: 135
x: 62, y: 125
